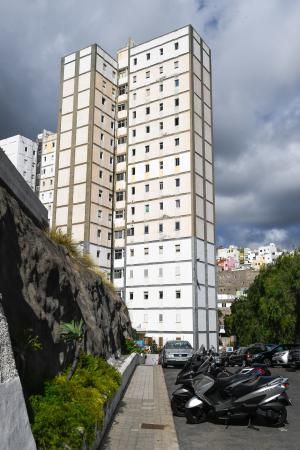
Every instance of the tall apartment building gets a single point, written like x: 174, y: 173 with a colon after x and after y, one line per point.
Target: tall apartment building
x: 83, y: 199
x: 46, y: 156
x: 135, y: 145
x: 23, y: 154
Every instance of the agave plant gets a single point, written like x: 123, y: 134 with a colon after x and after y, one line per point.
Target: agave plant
x: 73, y: 333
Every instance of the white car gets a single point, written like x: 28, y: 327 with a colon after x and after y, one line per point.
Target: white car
x: 282, y: 354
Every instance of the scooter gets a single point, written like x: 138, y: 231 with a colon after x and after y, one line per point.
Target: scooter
x: 187, y: 379
x: 231, y: 398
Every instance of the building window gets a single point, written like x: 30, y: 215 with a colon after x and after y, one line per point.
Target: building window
x: 177, y: 248
x: 131, y: 252
x: 161, y: 205
x: 134, y: 79
x: 103, y: 101
x: 134, y: 114
x: 133, y: 152
x: 176, y: 45
x: 177, y: 203
x: 178, y: 294
x: 160, y: 272
x: 102, y: 119
x: 118, y: 273
x: 118, y: 253
x: 133, y: 190
x: 161, y: 106
x: 147, y: 92
x: 133, y: 210
x: 146, y: 295
x: 100, y: 193
x: 177, y: 271
x: 161, y: 125
x: 177, y: 226
x: 122, y: 123
x: 118, y: 234
x: 176, y: 121
x: 176, y: 101
x: 160, y: 227
x: 133, y: 133
x: 109, y: 236
x: 147, y: 129
x: 160, y: 318
x: 177, y: 182
x: 161, y: 185
x: 120, y: 196
x: 100, y: 173
x: 120, y: 176
x: 145, y: 318
x: 176, y: 64
x: 134, y: 61
x: 178, y: 318
x: 98, y: 253
x: 98, y: 233
x: 177, y: 83
x: 146, y: 187
x: 161, y: 295
x: 148, y: 110
x: 161, y: 51
x: 146, y: 208
x: 161, y: 145
x: 146, y: 250
x: 130, y: 295
x: 122, y: 140
x: 161, y: 88
x: 177, y: 161
x: 161, y: 249
x: 120, y: 214
x: 147, y: 167
x: 99, y: 213
x: 130, y: 273
x: 146, y: 273
x: 121, y: 106
x: 176, y: 142
x: 108, y: 256
x: 133, y: 171
x: 147, y: 56
x: 161, y: 69
x: 147, y: 148
x: 148, y: 74
x: 121, y: 158
x: 130, y: 231
x: 146, y: 229
x: 123, y: 89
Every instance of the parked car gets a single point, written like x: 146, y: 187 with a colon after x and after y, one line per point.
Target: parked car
x: 294, y: 357
x: 267, y: 356
x: 225, y: 355
x: 280, y: 357
x: 244, y: 355
x: 176, y: 353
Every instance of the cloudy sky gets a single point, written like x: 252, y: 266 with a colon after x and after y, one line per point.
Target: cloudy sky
x: 255, y: 46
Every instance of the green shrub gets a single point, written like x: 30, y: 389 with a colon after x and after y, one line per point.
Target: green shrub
x: 70, y: 412
x: 131, y: 347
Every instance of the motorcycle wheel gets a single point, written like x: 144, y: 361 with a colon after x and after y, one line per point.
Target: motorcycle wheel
x: 177, y: 409
x: 278, y: 421
x: 195, y: 415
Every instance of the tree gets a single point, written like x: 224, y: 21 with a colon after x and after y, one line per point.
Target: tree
x: 271, y: 310
x: 73, y: 333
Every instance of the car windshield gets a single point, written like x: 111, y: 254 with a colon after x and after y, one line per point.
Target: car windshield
x: 241, y: 350
x: 178, y: 344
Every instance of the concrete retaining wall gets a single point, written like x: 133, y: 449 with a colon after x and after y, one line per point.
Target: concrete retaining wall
x: 126, y: 371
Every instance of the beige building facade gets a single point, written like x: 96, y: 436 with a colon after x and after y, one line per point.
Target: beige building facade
x: 135, y: 178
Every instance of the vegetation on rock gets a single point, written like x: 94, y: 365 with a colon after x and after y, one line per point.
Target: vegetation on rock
x: 271, y: 310
x: 70, y: 413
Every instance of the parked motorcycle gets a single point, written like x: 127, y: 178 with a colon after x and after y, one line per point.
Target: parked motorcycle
x: 187, y: 377
x: 238, y: 396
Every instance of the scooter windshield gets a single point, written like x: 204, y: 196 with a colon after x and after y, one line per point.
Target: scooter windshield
x: 202, y: 384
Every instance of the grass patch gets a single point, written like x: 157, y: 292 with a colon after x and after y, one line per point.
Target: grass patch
x: 71, y: 412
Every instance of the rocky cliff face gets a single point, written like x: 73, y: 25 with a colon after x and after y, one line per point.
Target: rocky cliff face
x: 42, y: 286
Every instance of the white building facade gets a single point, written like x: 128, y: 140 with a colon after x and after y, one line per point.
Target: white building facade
x: 135, y: 178
x: 47, y: 145
x: 23, y: 154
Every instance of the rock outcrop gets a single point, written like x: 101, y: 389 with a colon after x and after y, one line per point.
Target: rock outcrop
x: 42, y: 286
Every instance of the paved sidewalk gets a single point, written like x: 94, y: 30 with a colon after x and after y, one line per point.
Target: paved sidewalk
x: 144, y: 420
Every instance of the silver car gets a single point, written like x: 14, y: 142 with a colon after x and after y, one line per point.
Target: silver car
x: 281, y: 356
x: 176, y: 353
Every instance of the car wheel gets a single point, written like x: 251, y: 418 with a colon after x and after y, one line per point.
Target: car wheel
x: 177, y: 409
x: 195, y: 415
x: 267, y: 362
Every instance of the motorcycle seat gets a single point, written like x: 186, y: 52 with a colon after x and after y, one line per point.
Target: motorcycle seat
x: 225, y: 381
